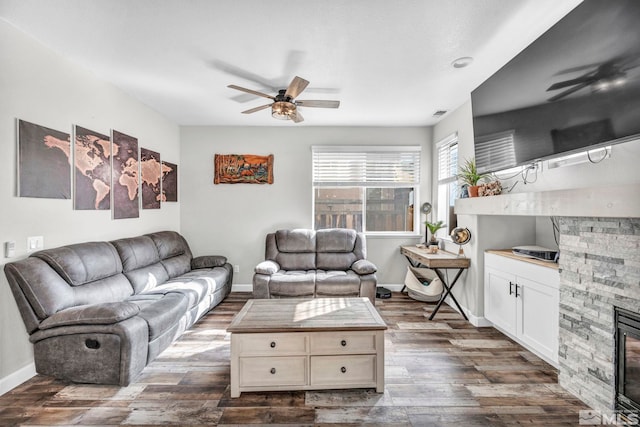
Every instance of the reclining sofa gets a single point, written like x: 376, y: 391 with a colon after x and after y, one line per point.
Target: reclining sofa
x: 305, y: 263
x: 99, y: 312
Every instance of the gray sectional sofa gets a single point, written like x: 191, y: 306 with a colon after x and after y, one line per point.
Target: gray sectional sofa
x: 304, y: 263
x: 99, y: 312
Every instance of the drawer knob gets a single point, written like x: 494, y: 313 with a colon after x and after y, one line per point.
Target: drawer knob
x: 343, y: 343
x: 273, y: 370
x: 343, y: 369
x: 273, y: 344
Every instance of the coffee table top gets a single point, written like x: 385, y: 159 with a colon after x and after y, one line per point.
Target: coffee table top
x: 302, y: 315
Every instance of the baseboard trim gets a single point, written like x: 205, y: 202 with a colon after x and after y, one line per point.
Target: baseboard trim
x: 242, y: 288
x: 477, y: 321
x: 13, y: 380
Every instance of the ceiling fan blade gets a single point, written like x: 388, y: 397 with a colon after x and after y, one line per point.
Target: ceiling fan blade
x: 587, y: 78
x: 253, y: 110
x: 297, y: 117
x: 568, y: 92
x: 297, y: 85
x: 318, y: 103
x: 254, y: 92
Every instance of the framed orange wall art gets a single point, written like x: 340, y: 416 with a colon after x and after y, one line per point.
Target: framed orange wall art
x: 243, y: 169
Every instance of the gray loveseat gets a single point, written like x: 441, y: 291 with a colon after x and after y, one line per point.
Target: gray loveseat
x: 99, y: 312
x: 305, y: 263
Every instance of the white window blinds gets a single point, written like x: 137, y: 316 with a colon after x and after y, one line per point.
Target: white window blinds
x: 448, y: 158
x: 379, y: 166
x: 496, y: 150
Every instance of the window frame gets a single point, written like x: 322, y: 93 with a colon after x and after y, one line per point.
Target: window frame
x: 416, y: 151
x: 449, y: 181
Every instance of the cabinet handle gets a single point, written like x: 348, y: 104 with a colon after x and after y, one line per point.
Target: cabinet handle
x: 273, y: 344
x: 343, y: 369
x: 273, y: 370
x: 510, y: 288
x: 343, y: 343
x: 517, y: 287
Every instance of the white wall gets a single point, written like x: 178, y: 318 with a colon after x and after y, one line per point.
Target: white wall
x: 39, y: 86
x: 506, y: 231
x: 233, y: 219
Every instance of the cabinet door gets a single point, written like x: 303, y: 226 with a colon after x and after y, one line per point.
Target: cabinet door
x: 538, y: 317
x: 499, y: 304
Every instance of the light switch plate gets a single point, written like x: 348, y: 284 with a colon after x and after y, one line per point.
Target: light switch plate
x: 9, y: 249
x: 35, y: 243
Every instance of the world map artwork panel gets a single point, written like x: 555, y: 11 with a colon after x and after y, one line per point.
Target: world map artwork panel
x: 169, y: 182
x: 92, y: 172
x: 125, y: 176
x: 151, y: 174
x: 43, y: 162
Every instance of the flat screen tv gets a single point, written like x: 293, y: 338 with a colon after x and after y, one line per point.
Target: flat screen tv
x: 576, y: 87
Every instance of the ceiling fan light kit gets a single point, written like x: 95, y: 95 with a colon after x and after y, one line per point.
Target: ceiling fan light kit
x: 284, y: 106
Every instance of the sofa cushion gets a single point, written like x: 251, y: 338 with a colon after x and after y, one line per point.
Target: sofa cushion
x: 169, y: 244
x: 296, y: 261
x: 292, y: 284
x: 141, y: 262
x: 94, y: 314
x: 337, y: 283
x: 336, y: 240
x: 298, y: 240
x: 84, y: 262
x: 136, y: 252
x: 162, y: 314
x: 335, y: 260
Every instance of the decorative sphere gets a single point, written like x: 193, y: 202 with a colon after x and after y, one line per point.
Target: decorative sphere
x: 460, y: 235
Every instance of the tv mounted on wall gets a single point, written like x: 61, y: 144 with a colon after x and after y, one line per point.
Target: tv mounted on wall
x: 576, y: 87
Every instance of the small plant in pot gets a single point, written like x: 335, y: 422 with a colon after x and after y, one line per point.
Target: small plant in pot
x: 469, y: 175
x: 433, y: 228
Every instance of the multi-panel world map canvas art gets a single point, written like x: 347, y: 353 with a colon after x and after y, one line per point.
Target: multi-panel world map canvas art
x: 107, y: 172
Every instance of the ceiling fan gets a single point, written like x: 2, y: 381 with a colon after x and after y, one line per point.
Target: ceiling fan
x: 284, y: 105
x: 607, y: 75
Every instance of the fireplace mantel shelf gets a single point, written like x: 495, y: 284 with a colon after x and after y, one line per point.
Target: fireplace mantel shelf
x: 619, y: 201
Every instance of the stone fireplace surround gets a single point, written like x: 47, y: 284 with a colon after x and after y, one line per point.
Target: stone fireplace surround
x: 599, y: 269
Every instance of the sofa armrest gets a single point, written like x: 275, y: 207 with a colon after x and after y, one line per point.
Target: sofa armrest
x: 94, y: 314
x: 208, y: 261
x: 363, y: 266
x: 267, y: 267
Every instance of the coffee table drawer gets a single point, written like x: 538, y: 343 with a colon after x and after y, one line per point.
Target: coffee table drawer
x: 341, y: 371
x: 271, y: 344
x: 343, y: 342
x: 273, y: 371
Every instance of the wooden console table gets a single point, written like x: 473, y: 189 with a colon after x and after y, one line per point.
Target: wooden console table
x: 443, y: 260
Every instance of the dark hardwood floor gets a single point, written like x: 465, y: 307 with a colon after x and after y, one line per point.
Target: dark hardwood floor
x: 438, y: 373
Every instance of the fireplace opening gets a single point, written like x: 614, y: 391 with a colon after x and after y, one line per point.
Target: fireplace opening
x: 627, y: 360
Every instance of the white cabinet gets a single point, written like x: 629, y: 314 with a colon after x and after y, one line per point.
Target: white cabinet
x: 521, y: 299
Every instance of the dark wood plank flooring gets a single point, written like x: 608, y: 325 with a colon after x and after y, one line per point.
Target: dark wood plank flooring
x: 438, y: 373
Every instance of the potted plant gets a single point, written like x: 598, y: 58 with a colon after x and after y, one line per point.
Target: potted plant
x: 469, y: 175
x: 433, y: 228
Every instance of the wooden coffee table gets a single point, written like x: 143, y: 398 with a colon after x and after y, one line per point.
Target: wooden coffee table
x: 302, y: 344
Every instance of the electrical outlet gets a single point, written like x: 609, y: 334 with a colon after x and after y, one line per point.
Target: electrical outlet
x: 35, y: 243
x: 236, y: 268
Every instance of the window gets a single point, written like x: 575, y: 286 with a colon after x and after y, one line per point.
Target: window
x: 447, y: 181
x: 370, y: 189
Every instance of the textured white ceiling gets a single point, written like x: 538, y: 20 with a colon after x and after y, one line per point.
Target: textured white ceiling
x: 388, y: 62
